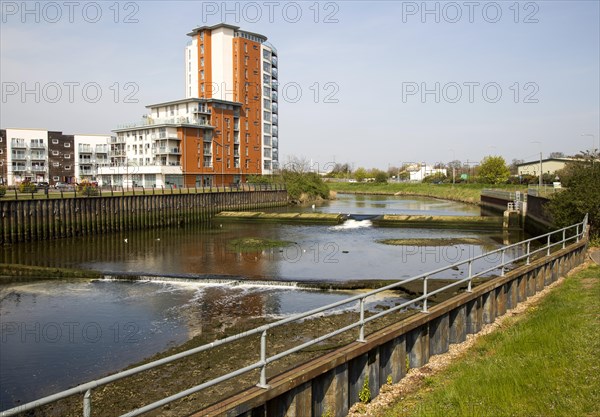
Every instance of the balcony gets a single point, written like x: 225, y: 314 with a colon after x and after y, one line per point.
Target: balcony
x: 37, y: 145
x: 236, y: 125
x: 17, y: 143
x: 274, y: 95
x: 38, y: 168
x: 101, y: 148
x: 274, y: 73
x: 18, y: 156
x: 114, y: 139
x: 274, y: 61
x: 164, y: 136
x: 37, y: 156
x: 202, y: 110
x: 85, y: 149
x: 163, y: 150
x: 86, y: 161
x: 19, y: 168
x: 274, y: 119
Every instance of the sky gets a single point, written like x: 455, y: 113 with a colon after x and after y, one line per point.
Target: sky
x: 372, y: 84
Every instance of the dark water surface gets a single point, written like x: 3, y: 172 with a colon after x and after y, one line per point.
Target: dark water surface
x: 56, y: 334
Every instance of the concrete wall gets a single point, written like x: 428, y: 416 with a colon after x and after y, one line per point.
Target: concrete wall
x: 329, y: 385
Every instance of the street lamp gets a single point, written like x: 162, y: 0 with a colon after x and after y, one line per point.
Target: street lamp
x: 593, y: 140
x: 541, y: 171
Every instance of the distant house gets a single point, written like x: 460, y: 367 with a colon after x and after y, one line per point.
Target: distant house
x: 549, y: 166
x: 418, y: 172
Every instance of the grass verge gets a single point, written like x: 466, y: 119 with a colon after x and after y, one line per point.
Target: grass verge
x: 467, y: 193
x: 542, y: 364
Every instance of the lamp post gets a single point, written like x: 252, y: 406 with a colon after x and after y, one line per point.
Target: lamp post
x: 593, y: 140
x: 541, y: 168
x: 453, y: 168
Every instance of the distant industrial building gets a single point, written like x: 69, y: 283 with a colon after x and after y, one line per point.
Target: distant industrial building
x: 548, y: 166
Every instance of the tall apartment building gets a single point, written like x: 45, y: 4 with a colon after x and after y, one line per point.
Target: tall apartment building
x: 222, y: 131
x: 40, y: 155
x: 230, y: 64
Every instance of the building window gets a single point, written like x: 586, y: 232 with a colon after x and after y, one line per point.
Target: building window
x: 67, y: 156
x: 245, y: 47
x: 67, y: 167
x: 55, y: 153
x: 201, y: 49
x: 201, y: 36
x: 55, y: 164
x: 202, y: 74
x: 67, y: 145
x: 55, y: 141
x: 201, y: 62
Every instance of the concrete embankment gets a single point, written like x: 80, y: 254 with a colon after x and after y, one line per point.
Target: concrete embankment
x: 249, y: 216
x: 440, y: 222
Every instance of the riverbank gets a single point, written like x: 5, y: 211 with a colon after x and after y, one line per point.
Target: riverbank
x: 464, y: 193
x: 540, y: 359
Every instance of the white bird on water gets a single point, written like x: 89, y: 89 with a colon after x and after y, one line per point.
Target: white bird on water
x: 125, y: 240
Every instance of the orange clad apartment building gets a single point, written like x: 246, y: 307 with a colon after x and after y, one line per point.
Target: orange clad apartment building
x: 226, y: 127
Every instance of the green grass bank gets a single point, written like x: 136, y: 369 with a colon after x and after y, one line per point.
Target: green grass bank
x: 466, y: 193
x: 543, y: 363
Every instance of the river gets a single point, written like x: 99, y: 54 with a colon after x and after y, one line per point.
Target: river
x: 56, y: 334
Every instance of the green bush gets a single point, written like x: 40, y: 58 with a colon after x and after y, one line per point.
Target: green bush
x: 87, y: 189
x: 27, y: 187
x: 308, y: 183
x: 581, y: 196
x: 438, y: 177
x: 2, y: 191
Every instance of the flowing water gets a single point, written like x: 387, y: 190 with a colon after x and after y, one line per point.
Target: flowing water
x: 56, y: 334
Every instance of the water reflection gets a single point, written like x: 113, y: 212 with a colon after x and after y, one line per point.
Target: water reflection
x: 56, y: 334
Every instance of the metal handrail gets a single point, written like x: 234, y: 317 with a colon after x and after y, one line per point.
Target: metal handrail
x: 580, y: 231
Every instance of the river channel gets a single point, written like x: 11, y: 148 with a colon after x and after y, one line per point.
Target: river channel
x: 59, y: 333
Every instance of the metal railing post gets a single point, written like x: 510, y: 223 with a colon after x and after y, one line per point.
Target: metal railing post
x: 425, y: 295
x: 470, y: 276
x: 87, y: 403
x: 361, y: 328
x: 564, y: 237
x: 548, y: 247
x: 502, y: 265
x: 263, y: 359
x: 528, y: 251
x: 577, y: 232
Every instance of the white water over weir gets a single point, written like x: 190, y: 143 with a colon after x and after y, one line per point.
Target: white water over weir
x: 209, y: 282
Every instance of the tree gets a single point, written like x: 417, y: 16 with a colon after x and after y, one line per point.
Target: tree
x: 581, y: 196
x: 557, y: 155
x: 513, y: 168
x: 360, y: 174
x: 493, y: 170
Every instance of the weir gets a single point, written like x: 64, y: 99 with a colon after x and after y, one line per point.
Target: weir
x: 385, y: 220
